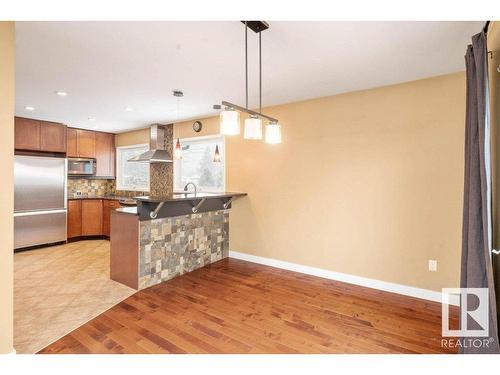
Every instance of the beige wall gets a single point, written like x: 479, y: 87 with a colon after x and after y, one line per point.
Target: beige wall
x: 368, y: 183
x: 6, y: 187
x: 132, y: 138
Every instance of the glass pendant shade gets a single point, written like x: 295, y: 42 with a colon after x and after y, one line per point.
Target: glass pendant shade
x: 178, y: 150
x: 216, y: 154
x: 273, y: 133
x: 253, y: 128
x: 229, y: 122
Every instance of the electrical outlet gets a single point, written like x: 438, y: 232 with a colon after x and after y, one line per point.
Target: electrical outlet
x: 433, y: 265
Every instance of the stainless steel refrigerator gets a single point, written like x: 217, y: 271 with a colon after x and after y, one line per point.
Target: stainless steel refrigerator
x: 39, y: 200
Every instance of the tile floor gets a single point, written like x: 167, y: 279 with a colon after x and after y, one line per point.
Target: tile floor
x: 59, y: 288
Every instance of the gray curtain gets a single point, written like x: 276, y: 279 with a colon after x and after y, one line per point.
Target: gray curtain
x: 476, y: 270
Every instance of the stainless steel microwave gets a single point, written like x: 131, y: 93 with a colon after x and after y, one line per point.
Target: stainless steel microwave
x: 81, y: 167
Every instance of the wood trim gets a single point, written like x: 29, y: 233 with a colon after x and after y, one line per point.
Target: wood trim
x: 124, y: 260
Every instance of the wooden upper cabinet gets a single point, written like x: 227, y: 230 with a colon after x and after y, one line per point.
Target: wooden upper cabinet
x: 86, y: 144
x: 27, y: 134
x: 92, y: 217
x: 74, y: 218
x: 72, y: 143
x: 104, y: 153
x: 37, y: 135
x: 52, y: 136
x: 90, y: 144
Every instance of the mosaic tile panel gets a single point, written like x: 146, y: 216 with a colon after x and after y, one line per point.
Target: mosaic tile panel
x: 170, y: 247
x: 161, y: 175
x: 161, y: 179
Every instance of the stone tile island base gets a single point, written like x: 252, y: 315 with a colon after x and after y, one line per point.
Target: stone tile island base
x: 172, y: 246
x: 147, y: 252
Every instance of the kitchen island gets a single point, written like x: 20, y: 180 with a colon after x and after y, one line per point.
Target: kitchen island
x: 165, y: 237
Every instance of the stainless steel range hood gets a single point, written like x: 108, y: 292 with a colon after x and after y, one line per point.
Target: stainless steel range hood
x: 157, y: 152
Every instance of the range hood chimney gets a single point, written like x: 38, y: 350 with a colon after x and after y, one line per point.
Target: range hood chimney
x: 157, y: 152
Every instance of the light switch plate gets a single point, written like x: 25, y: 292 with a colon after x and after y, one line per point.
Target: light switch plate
x: 433, y: 265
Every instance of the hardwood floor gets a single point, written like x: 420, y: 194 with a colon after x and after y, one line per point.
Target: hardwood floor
x: 234, y: 306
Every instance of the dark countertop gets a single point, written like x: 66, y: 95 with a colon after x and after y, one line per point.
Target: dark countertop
x: 109, y: 197
x: 177, y: 197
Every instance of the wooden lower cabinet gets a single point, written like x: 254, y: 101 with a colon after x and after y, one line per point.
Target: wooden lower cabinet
x: 90, y: 217
x: 74, y: 218
x: 108, y: 206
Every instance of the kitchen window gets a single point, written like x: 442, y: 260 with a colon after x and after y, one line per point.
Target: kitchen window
x: 131, y: 175
x: 197, y: 165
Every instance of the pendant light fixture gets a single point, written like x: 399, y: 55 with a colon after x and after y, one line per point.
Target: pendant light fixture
x: 229, y: 121
x: 273, y: 133
x: 229, y: 117
x: 178, y: 148
x: 253, y: 128
x: 216, y: 154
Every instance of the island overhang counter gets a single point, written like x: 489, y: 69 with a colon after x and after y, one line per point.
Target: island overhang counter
x: 168, y: 236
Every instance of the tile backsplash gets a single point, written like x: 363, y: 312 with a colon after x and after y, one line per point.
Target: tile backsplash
x: 98, y: 187
x: 90, y: 187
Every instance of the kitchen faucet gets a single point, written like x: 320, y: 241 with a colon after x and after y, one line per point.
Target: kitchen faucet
x: 190, y: 183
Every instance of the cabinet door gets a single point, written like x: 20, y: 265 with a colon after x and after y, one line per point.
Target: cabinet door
x: 27, y: 134
x: 104, y: 153
x: 86, y: 144
x: 74, y: 218
x: 52, y: 137
x: 72, y: 143
x: 108, y: 206
x: 92, y: 217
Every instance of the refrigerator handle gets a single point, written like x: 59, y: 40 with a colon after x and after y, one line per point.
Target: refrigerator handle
x: 65, y: 182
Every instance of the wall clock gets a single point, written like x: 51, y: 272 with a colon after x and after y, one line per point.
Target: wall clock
x: 197, y: 125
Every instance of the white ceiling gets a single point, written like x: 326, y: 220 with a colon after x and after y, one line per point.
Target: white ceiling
x: 107, y: 66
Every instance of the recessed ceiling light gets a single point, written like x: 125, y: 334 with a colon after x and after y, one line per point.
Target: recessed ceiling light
x: 91, y: 119
x: 29, y: 108
x: 128, y: 109
x: 61, y: 93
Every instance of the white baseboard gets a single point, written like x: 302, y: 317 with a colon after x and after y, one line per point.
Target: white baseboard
x: 386, y: 286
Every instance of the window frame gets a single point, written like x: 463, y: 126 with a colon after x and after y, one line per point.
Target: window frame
x: 223, y: 160
x: 118, y: 169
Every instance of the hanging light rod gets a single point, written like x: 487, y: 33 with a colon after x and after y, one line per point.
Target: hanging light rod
x: 243, y: 109
x: 256, y: 27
